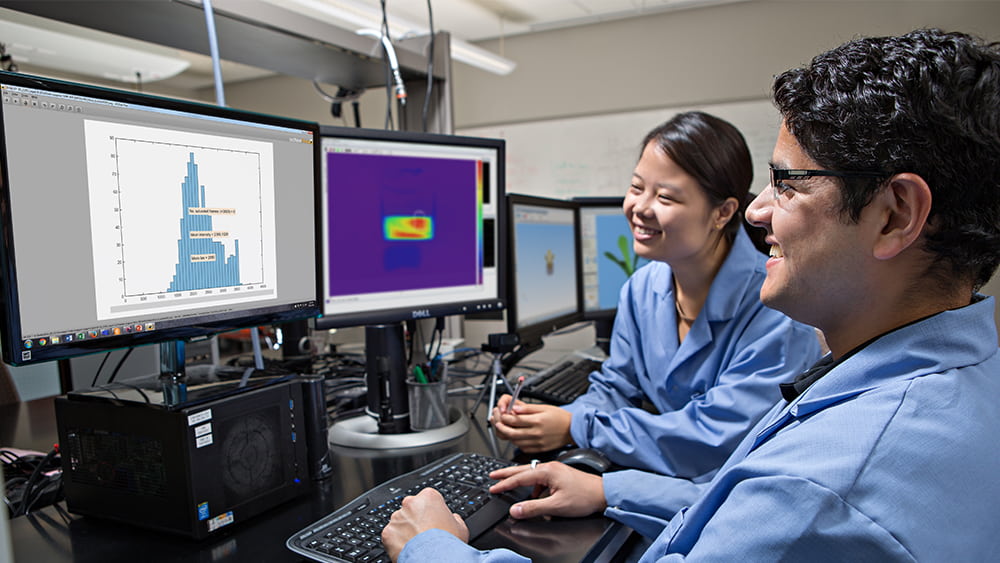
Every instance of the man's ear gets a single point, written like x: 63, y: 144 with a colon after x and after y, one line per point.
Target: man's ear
x: 906, y: 203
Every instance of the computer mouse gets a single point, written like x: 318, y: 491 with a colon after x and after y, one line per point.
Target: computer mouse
x: 588, y: 460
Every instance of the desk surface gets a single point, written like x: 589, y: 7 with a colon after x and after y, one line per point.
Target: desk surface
x: 54, y: 535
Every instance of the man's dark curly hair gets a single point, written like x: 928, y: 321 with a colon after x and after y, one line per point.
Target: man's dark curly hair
x: 928, y: 103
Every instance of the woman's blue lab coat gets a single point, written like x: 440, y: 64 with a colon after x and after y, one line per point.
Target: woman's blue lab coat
x: 709, y: 390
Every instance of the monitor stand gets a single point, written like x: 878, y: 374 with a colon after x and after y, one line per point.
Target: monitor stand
x: 362, y: 432
x: 602, y: 338
x: 173, y: 383
x: 386, y: 422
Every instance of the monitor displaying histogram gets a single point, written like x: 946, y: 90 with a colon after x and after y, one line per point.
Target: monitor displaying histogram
x: 178, y: 217
x: 129, y: 219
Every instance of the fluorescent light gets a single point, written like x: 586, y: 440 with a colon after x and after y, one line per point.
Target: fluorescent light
x: 355, y: 15
x: 481, y: 58
x: 110, y: 58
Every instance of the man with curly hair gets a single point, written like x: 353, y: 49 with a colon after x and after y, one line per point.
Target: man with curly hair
x: 883, y: 216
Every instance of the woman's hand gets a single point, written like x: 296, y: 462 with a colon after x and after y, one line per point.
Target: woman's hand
x: 532, y: 427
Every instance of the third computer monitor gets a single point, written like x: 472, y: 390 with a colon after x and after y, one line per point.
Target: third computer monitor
x: 607, y: 257
x: 544, y: 280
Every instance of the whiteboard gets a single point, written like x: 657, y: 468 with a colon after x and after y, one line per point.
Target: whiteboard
x: 595, y: 155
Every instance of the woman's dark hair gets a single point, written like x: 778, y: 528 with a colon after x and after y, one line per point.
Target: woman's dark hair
x: 927, y: 103
x: 714, y: 153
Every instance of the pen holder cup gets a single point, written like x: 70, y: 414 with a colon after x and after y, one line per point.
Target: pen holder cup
x: 428, y: 404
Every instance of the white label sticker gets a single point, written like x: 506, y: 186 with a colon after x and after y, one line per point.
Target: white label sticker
x: 199, y: 417
x: 203, y: 429
x: 203, y: 441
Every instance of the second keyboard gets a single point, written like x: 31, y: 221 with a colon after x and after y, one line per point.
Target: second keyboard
x: 563, y: 383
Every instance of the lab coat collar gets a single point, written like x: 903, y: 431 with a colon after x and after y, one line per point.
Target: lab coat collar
x: 735, y: 275
x: 944, y: 341
x: 741, y: 267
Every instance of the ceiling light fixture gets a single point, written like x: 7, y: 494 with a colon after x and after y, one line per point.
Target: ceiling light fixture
x: 75, y: 50
x: 357, y: 16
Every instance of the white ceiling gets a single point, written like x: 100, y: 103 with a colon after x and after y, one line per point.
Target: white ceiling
x: 470, y: 20
x: 475, y: 20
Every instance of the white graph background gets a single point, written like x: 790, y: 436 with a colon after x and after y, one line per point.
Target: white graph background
x: 148, y: 167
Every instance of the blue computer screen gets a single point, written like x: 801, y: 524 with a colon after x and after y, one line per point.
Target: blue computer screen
x: 544, y: 262
x: 607, y: 255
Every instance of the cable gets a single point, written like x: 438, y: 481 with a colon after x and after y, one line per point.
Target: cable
x: 119, y: 366
x: 437, y: 338
x: 392, y: 70
x: 213, y: 44
x: 357, y: 113
x: 29, y: 490
x: 342, y: 95
x: 336, y: 101
x: 430, y: 68
x: 387, y: 49
x: 110, y: 387
x: 99, y: 368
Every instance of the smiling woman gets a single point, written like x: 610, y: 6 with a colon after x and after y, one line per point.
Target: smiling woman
x: 691, y: 336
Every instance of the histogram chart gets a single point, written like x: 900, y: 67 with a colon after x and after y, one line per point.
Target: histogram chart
x: 179, y: 219
x: 202, y: 261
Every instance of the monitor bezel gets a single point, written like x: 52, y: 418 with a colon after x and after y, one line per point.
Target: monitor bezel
x: 10, y: 326
x: 401, y: 314
x: 531, y: 335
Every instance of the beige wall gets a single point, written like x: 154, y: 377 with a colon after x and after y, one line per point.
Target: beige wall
x: 712, y: 54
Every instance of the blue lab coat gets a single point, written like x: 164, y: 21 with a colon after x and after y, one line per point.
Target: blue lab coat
x: 891, y: 456
x: 709, y: 390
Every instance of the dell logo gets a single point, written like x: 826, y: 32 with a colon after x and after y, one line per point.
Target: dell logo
x: 421, y: 313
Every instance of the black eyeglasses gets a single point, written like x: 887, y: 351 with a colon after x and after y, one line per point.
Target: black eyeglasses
x: 779, y: 174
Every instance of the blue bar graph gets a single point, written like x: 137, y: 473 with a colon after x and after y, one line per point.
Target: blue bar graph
x: 201, y: 261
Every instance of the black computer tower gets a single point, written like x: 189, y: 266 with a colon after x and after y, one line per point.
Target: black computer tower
x: 193, y: 469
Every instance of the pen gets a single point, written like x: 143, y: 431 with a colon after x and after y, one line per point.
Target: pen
x: 517, y: 391
x: 418, y: 374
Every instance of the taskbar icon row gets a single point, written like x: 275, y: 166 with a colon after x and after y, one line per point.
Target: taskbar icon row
x: 87, y: 335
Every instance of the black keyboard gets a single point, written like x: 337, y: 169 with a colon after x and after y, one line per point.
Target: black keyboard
x: 353, y: 533
x: 563, y: 383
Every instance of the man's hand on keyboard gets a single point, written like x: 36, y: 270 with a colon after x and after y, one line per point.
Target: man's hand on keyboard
x: 532, y: 427
x: 419, y: 513
x: 564, y: 491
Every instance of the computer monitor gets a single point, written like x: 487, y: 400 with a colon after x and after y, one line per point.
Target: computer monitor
x: 130, y: 219
x: 607, y: 259
x: 410, y: 224
x: 544, y: 284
